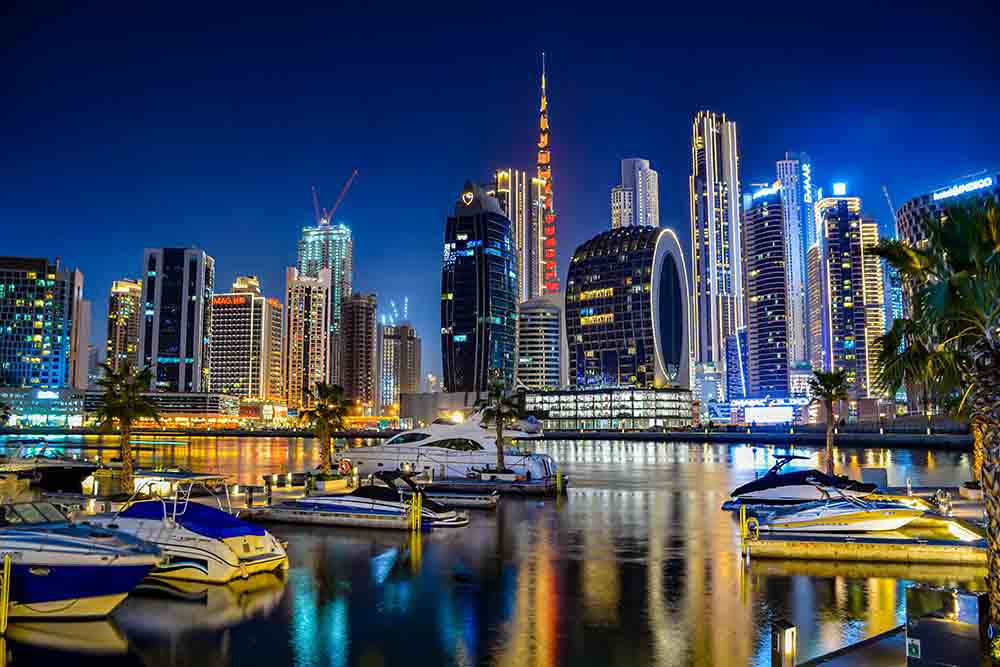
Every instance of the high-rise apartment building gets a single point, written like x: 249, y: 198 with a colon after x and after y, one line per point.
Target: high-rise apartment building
x: 550, y: 274
x: 124, y: 318
x: 307, y: 335
x: 176, y: 331
x: 522, y: 200
x: 737, y: 384
x: 359, y: 350
x: 80, y: 359
x: 328, y: 246
x: 247, y: 342
x: 540, y: 344
x: 716, y: 238
x: 40, y: 330
x: 815, y: 300
x: 636, y: 201
x: 795, y: 177
x: 399, y: 362
x: 767, y: 294
x: 478, y: 293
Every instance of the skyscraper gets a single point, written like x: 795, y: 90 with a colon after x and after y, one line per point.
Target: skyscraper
x: 522, y: 200
x: 737, y: 385
x: 767, y: 294
x: 307, y: 334
x: 246, y: 342
x: 637, y: 200
x: 716, y: 238
x: 478, y: 293
x: 176, y: 332
x: 795, y: 176
x: 81, y: 345
x: 124, y: 316
x: 540, y: 344
x: 39, y: 323
x: 358, y: 343
x: 550, y: 278
x: 327, y: 246
x: 399, y: 361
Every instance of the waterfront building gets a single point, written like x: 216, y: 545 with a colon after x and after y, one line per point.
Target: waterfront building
x: 814, y: 307
x: 795, y: 178
x: 478, y: 293
x: 850, y: 300
x: 399, y: 363
x: 627, y: 311
x: 180, y: 409
x: 798, y: 381
x: 767, y: 295
x: 331, y: 247
x: 41, y: 341
x: 910, y: 216
x: 762, y: 411
x: 611, y: 408
x: 60, y: 407
x: 636, y: 201
x: 710, y: 382
x: 522, y: 200
x: 124, y: 317
x: 540, y: 355
x: 550, y: 274
x: 359, y: 350
x: 736, y: 365
x: 80, y: 359
x: 717, y: 307
x: 307, y: 335
x: 247, y: 342
x: 176, y: 331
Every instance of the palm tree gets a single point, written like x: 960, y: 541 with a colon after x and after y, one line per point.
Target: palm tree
x: 124, y: 404
x: 954, y: 282
x: 828, y: 388
x: 501, y: 409
x: 327, y: 414
x: 4, y: 414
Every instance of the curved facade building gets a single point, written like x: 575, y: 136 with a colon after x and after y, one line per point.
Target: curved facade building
x: 627, y: 310
x: 539, y: 348
x: 909, y: 217
x: 478, y: 291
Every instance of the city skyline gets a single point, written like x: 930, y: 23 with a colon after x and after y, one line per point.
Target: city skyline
x: 186, y: 187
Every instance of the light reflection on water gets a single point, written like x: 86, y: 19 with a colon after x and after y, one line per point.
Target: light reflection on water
x: 637, y: 565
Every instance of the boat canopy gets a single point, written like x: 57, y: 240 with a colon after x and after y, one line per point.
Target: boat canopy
x: 196, y: 517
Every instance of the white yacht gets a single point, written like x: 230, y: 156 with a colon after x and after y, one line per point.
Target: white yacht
x: 445, y: 450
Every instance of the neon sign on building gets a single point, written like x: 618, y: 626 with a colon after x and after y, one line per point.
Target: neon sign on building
x: 963, y: 188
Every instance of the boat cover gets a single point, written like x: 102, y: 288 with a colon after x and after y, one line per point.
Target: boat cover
x: 196, y: 517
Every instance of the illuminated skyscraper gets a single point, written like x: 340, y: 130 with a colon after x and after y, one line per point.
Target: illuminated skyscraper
x: 909, y: 217
x: 637, y: 200
x: 478, y: 293
x: 540, y: 343
x: 176, y: 332
x: 359, y: 350
x: 522, y: 200
x: 124, y: 308
x: 307, y: 334
x: 327, y: 246
x: 399, y: 362
x: 716, y: 239
x: 736, y: 365
x: 247, y: 342
x: 550, y: 277
x: 767, y: 293
x: 795, y: 175
x: 40, y: 336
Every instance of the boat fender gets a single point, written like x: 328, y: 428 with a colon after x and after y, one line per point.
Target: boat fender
x: 344, y: 467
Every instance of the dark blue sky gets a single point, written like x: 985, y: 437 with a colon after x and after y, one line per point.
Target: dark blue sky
x: 205, y: 124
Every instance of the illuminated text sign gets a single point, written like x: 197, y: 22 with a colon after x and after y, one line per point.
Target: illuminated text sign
x: 229, y: 300
x: 956, y: 190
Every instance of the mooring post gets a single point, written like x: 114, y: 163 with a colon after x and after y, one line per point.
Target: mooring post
x: 784, y: 638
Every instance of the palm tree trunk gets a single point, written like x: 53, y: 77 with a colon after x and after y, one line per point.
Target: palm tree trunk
x: 978, y: 448
x: 325, y: 460
x: 829, y: 437
x: 125, y: 449
x: 501, y: 466
x: 990, y: 480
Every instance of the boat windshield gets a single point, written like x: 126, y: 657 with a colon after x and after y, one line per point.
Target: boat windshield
x: 404, y: 438
x: 30, y: 513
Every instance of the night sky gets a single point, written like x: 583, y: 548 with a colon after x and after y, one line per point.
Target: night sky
x: 206, y: 124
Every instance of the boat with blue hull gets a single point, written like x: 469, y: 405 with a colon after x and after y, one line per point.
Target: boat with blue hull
x: 61, y: 570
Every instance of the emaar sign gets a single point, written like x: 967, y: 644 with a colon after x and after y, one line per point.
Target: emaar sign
x: 956, y: 190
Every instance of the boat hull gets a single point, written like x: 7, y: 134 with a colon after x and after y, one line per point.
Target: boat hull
x: 848, y: 522
x: 61, y: 592
x: 310, y: 514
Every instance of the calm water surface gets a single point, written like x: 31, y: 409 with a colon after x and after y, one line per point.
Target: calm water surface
x: 636, y: 566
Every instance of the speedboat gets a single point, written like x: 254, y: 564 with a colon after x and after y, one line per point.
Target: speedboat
x: 201, y: 543
x: 62, y: 570
x: 446, y: 449
x: 378, y: 504
x: 797, y: 486
x: 847, y: 514
x: 49, y: 469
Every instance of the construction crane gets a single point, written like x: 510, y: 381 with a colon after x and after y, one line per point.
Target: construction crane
x: 888, y: 200
x: 323, y: 216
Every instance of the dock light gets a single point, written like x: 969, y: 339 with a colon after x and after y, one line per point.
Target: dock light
x: 236, y: 489
x: 457, y: 417
x: 784, y: 638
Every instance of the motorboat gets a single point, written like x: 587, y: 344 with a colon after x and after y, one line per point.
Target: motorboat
x: 62, y: 570
x: 797, y: 486
x: 847, y: 514
x: 376, y: 504
x: 201, y: 542
x: 49, y: 469
x: 445, y: 449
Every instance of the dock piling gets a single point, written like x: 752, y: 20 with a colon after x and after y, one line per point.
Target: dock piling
x: 784, y: 638
x: 5, y: 594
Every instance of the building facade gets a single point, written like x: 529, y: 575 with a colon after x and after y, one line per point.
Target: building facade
x: 522, y: 200
x: 611, y: 408
x: 795, y: 178
x: 331, y: 247
x: 636, y: 201
x: 399, y: 362
x: 478, y: 293
x: 540, y: 344
x: 716, y: 237
x: 737, y: 385
x: 933, y: 205
x: 550, y: 272
x: 40, y: 329
x: 767, y: 295
x: 124, y: 318
x: 247, y: 342
x: 176, y: 331
x: 626, y: 310
x: 307, y: 335
x: 359, y: 350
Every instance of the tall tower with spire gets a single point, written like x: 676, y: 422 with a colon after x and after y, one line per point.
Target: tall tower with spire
x: 551, y: 273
